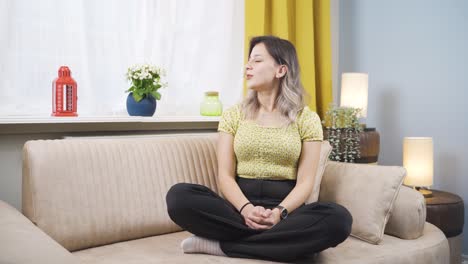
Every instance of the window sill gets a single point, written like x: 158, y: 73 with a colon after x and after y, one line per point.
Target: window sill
x: 30, y: 124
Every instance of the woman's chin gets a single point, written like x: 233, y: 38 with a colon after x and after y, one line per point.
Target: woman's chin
x: 253, y: 87
x: 256, y: 88
x: 250, y: 87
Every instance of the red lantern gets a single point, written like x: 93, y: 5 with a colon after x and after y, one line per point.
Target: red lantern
x: 64, y: 94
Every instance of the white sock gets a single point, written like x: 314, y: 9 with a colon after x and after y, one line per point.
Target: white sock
x: 196, y: 244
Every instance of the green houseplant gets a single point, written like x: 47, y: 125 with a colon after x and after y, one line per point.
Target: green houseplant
x: 146, y: 80
x: 342, y: 129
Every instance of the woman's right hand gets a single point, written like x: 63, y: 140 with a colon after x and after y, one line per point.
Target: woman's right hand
x: 257, y: 217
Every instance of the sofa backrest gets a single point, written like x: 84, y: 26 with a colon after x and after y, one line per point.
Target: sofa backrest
x: 90, y: 192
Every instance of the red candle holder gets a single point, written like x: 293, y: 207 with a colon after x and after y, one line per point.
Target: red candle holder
x: 64, y: 94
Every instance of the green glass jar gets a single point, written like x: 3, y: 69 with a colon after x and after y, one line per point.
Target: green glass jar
x: 211, y: 106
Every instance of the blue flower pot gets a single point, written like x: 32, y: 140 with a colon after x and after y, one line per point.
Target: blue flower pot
x: 146, y: 107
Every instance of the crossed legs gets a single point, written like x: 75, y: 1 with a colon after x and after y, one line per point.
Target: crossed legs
x: 307, y: 230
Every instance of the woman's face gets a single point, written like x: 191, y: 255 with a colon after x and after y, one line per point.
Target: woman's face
x: 261, y: 70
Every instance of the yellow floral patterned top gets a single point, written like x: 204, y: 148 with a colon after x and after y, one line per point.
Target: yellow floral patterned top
x: 269, y: 152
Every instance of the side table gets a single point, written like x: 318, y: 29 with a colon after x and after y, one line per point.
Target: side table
x: 369, y: 146
x: 446, y: 211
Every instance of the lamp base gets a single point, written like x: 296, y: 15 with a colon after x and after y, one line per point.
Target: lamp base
x: 424, y: 191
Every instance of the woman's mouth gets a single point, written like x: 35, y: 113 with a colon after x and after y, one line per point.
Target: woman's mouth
x: 248, y: 76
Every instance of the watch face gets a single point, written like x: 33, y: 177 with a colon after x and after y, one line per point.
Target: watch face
x: 284, y: 213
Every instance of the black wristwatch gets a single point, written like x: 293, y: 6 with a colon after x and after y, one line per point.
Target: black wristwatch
x: 283, y: 211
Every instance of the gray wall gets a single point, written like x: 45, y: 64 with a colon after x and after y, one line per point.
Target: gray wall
x: 11, y: 147
x: 416, y: 54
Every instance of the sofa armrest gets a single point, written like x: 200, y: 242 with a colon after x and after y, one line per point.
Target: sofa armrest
x: 408, y: 215
x: 22, y: 242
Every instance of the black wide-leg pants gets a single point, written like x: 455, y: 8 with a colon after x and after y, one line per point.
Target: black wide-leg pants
x: 308, y: 229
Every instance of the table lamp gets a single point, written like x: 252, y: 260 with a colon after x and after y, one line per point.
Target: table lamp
x: 354, y: 88
x: 354, y: 93
x: 418, y: 160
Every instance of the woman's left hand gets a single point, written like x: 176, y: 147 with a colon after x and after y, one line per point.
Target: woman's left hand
x: 272, y: 215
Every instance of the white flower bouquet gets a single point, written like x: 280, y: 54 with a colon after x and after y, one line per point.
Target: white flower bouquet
x: 146, y: 80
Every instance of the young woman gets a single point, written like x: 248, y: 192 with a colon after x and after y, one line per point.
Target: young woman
x: 268, y: 153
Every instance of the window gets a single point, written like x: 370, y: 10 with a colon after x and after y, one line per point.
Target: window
x: 199, y: 43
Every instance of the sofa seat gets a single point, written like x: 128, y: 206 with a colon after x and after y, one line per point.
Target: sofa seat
x: 165, y: 249
x: 155, y: 249
x: 431, y: 247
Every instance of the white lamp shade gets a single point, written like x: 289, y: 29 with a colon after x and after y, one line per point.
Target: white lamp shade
x: 354, y: 87
x: 418, y: 160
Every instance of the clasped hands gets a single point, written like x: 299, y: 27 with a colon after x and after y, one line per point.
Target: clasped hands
x: 259, y: 218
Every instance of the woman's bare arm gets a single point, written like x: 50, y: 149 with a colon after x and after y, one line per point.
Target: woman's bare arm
x: 307, y: 169
x: 227, y: 171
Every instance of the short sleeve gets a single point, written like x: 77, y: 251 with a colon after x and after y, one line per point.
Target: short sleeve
x: 230, y: 120
x: 309, y: 125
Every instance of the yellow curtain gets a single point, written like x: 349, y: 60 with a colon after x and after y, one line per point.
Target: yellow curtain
x: 306, y: 23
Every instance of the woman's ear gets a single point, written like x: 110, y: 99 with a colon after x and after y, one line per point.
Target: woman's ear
x: 281, y: 71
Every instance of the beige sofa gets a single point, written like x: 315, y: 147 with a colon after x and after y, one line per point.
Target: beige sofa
x: 103, y: 201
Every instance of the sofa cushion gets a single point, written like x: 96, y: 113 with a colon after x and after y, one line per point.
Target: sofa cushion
x: 367, y: 191
x: 324, y: 153
x: 89, y: 192
x: 408, y: 215
x: 430, y: 248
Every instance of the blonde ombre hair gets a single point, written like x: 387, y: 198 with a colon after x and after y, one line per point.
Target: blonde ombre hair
x: 291, y: 93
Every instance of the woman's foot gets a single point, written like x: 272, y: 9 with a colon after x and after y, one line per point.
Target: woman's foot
x: 196, y: 244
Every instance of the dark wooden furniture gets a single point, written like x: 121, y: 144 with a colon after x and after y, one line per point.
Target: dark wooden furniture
x: 446, y: 211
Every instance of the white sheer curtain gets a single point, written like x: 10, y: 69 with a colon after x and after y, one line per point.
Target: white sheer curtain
x: 199, y: 43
